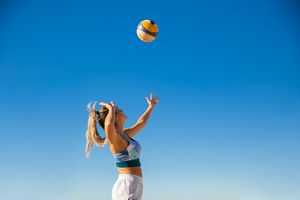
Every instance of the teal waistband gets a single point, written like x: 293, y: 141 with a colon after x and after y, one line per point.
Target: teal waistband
x: 130, y: 163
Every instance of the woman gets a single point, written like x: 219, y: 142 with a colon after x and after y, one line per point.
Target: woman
x: 125, y: 150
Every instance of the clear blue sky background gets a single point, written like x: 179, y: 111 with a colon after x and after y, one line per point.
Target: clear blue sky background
x: 227, y: 72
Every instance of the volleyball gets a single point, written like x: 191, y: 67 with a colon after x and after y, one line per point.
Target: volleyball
x: 147, y: 30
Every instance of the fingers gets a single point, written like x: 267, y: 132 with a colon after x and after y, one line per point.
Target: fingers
x: 152, y: 98
x: 112, y: 104
x: 104, y: 105
x: 92, y: 105
x: 89, y: 106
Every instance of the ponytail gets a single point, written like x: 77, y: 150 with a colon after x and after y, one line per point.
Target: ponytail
x: 92, y: 135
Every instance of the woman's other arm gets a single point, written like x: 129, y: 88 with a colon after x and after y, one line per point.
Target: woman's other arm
x: 143, y: 119
x: 109, y: 124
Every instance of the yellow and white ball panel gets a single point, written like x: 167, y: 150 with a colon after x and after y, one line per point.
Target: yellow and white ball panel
x: 147, y: 30
x: 145, y: 36
x: 150, y: 25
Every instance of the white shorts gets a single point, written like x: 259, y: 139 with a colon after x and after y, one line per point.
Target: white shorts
x: 128, y: 187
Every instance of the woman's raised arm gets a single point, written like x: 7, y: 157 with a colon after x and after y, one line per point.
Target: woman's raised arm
x: 109, y: 124
x: 143, y: 119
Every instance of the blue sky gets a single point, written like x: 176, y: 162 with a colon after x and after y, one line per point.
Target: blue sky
x: 227, y: 73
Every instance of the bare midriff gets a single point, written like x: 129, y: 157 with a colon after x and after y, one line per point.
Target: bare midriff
x: 131, y: 170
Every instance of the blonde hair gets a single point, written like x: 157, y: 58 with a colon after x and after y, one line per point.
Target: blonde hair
x: 92, y: 135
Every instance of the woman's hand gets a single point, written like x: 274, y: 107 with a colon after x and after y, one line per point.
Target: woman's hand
x: 153, y: 100
x: 110, y: 106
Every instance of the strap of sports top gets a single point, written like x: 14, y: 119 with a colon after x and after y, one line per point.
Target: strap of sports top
x: 124, y: 136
